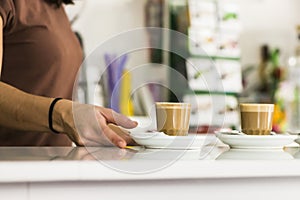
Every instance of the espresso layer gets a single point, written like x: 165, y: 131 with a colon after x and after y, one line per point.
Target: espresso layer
x: 173, y: 121
x: 256, y: 123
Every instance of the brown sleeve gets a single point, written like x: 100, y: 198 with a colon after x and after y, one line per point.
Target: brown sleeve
x: 7, y: 12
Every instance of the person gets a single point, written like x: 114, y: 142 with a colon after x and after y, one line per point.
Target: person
x: 40, y: 59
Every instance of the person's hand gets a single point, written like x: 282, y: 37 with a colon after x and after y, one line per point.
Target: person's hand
x: 87, y: 125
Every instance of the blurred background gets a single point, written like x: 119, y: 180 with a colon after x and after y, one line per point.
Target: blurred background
x: 252, y: 44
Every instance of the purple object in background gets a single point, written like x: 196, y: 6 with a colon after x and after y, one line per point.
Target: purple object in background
x: 155, y: 89
x: 108, y: 61
x: 115, y: 68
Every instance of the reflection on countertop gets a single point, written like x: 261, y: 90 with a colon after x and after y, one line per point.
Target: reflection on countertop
x: 104, y: 153
x: 63, y: 153
x: 140, y: 153
x: 255, y: 154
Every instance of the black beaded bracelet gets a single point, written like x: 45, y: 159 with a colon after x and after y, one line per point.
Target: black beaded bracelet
x: 50, y: 114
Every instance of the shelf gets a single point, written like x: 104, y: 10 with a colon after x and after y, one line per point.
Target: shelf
x: 197, y: 92
x: 216, y: 57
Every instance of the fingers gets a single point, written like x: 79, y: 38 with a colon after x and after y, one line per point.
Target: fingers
x: 117, y: 118
x: 118, y: 130
x: 122, y: 132
x: 111, y: 135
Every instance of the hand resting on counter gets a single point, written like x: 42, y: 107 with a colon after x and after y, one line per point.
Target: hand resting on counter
x: 89, y: 125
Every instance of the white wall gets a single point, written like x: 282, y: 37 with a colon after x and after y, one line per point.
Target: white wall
x: 101, y: 19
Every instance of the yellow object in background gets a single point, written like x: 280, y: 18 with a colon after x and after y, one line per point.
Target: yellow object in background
x: 279, y: 118
x: 126, y: 105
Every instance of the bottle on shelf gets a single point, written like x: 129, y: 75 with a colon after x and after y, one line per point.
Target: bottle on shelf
x: 293, y: 95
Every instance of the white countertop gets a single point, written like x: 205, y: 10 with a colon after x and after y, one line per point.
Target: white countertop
x: 212, y: 172
x: 47, y: 164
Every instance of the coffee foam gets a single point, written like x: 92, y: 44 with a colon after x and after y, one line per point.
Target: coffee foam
x: 256, y: 107
x: 166, y: 105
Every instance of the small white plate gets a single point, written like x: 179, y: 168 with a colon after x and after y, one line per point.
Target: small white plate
x: 276, y: 141
x: 159, y: 140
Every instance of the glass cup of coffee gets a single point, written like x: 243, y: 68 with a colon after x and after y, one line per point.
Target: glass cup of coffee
x: 256, y: 119
x: 173, y: 118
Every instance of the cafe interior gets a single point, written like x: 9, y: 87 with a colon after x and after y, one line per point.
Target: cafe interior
x: 236, y: 51
x: 222, y: 58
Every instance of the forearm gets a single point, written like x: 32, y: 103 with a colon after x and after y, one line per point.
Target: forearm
x: 23, y: 111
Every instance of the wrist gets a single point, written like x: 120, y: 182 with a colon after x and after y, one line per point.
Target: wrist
x: 62, y: 110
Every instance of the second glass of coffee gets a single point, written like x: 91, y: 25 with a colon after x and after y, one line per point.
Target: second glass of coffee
x: 256, y: 119
x: 173, y: 118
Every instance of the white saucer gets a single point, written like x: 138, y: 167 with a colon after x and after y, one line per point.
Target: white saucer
x: 159, y: 140
x: 276, y: 141
x: 297, y: 140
